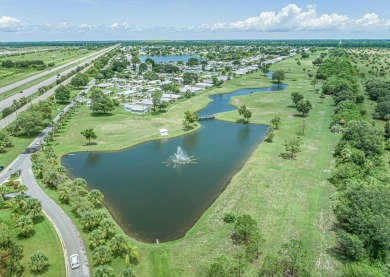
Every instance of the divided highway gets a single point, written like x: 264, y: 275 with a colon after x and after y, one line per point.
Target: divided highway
x: 33, y: 89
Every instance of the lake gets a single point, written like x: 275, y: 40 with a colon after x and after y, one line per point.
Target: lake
x: 153, y: 200
x: 166, y: 59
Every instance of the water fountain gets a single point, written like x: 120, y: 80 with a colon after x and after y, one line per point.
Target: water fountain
x: 180, y: 157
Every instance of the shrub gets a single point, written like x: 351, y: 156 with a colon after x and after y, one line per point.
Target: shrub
x: 229, y: 218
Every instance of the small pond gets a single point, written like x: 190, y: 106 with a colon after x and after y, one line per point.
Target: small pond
x: 154, y: 200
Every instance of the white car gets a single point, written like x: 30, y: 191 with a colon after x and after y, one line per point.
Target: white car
x: 74, y: 261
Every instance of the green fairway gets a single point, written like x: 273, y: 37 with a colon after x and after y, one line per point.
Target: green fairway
x: 44, y: 238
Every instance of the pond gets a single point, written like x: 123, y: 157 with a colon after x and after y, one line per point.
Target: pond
x: 171, y: 58
x: 151, y: 199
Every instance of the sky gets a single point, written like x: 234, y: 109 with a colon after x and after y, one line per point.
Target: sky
x: 84, y: 20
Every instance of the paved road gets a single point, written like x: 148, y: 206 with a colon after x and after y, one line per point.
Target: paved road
x: 33, y: 89
x: 70, y: 237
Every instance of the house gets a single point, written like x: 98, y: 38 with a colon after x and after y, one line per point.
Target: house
x: 137, y: 109
x: 170, y: 97
x: 203, y: 85
x: 105, y: 85
x: 126, y: 93
x: 145, y: 102
x: 192, y: 89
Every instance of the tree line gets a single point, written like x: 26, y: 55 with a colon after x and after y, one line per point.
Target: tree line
x: 362, y: 200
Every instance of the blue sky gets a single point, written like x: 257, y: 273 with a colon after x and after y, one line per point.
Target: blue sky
x: 40, y: 20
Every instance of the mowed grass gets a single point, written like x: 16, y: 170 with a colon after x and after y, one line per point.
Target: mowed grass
x: 44, y: 238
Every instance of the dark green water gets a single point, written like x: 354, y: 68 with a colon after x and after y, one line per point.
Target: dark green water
x: 151, y: 200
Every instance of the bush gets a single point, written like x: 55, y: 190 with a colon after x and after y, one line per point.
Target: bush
x: 229, y: 218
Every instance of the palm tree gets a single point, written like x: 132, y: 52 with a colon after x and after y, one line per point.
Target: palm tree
x: 3, y: 190
x: 96, y: 197
x: 38, y: 261
x: 118, y: 244
x: 101, y: 255
x: 96, y: 238
x: 103, y: 271
x: 24, y: 225
x: 22, y: 189
x: 107, y: 228
x: 131, y: 255
x: 32, y: 208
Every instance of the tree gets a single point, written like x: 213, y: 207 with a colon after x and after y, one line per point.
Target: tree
x: 189, y: 119
x: 294, y: 257
x: 292, y: 146
x: 271, y: 267
x: 107, y: 227
x: 275, y: 122
x: 220, y: 268
x: 278, y: 76
x: 89, y: 134
x: 296, y: 97
x: 142, y: 68
x: 304, y: 106
x: 387, y: 129
x: 156, y: 98
x: 62, y: 94
x: 101, y: 255
x: 101, y: 102
x: 244, y: 227
x: 95, y: 197
x: 96, y: 238
x: 270, y: 134
x: 150, y: 75
x: 189, y: 78
x: 79, y: 80
x: 22, y: 189
x: 253, y: 247
x: 317, y: 62
x: 243, y: 110
x: 322, y: 97
x: 118, y: 244
x: 38, y: 261
x: 29, y: 121
x: 103, y: 271
x: 32, y: 207
x: 24, y: 225
x: 314, y: 82
x: 127, y: 272
x: 132, y: 255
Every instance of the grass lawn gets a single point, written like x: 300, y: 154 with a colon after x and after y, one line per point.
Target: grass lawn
x: 289, y: 198
x: 44, y: 238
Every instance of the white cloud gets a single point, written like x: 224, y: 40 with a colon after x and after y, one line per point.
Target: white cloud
x: 9, y: 24
x: 294, y: 18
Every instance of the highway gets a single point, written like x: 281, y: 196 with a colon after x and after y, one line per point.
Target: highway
x: 33, y: 89
x: 42, y: 74
x: 69, y: 236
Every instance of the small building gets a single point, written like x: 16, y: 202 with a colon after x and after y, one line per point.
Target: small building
x: 163, y: 132
x: 105, y: 85
x: 137, y: 109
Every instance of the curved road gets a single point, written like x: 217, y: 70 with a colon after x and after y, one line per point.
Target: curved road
x: 70, y: 238
x: 31, y: 90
